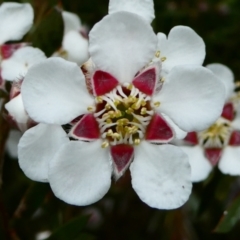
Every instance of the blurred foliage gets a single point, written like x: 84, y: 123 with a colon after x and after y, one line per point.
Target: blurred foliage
x: 212, y: 212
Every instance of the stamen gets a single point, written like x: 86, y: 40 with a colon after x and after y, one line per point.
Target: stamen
x: 163, y: 59
x: 157, y: 54
x: 105, y: 144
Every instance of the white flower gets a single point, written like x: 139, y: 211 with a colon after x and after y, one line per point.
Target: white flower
x: 124, y: 111
x: 75, y: 43
x: 220, y: 143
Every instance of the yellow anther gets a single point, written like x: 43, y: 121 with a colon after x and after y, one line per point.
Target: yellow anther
x: 129, y: 111
x: 109, y: 133
x: 99, y: 100
x: 107, y: 106
x: 116, y: 102
x: 162, y: 79
x: 143, y: 111
x: 163, y: 59
x: 116, y: 135
x: 157, y: 104
x: 105, y: 115
x: 105, y: 144
x: 143, y: 103
x: 108, y: 120
x: 118, y: 114
x: 137, y: 141
x: 111, y: 114
x: 136, y: 106
x: 130, y: 86
x: 157, y: 54
x: 90, y: 109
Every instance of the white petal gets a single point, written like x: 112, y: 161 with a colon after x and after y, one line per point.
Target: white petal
x: 192, y: 97
x: 37, y: 147
x: 71, y: 22
x: 17, y: 111
x: 144, y: 8
x: 225, y: 75
x: 54, y: 92
x: 179, y: 133
x: 15, y: 20
x: 183, y: 46
x: 80, y: 172
x: 76, y: 47
x: 200, y: 166
x: 12, y: 143
x: 161, y: 175
x: 230, y: 161
x: 17, y: 65
x: 121, y: 44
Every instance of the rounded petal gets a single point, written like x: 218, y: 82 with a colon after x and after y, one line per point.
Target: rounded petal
x: 230, y: 161
x: 16, y: 20
x: 200, y: 166
x: 17, y: 65
x: 183, y: 46
x: 192, y: 96
x: 17, y: 111
x: 144, y: 8
x: 121, y: 44
x: 12, y: 142
x: 54, y: 92
x: 71, y: 22
x: 225, y: 75
x: 161, y: 175
x: 80, y: 173
x: 76, y: 47
x: 37, y: 147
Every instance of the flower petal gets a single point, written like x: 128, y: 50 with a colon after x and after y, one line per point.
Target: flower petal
x: 161, y: 175
x: 225, y: 75
x: 54, y: 92
x: 80, y: 172
x: 183, y: 46
x: 144, y: 8
x: 192, y: 97
x: 230, y: 161
x: 121, y: 44
x: 12, y: 142
x: 71, y: 22
x: 16, y: 20
x: 17, y: 111
x: 76, y: 47
x: 200, y: 166
x: 17, y: 65
x: 37, y: 147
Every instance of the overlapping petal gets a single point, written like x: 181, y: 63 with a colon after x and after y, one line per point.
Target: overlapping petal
x: 230, y: 161
x: 144, y: 8
x: 15, y: 20
x: 225, y: 75
x: 76, y: 47
x: 17, y: 65
x: 37, y: 147
x: 183, y: 46
x: 54, y: 92
x: 71, y: 22
x: 200, y: 166
x: 121, y: 44
x: 80, y: 172
x: 161, y: 175
x: 188, y: 98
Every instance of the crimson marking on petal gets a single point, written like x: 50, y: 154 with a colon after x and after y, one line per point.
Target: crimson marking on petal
x: 192, y: 138
x: 122, y: 156
x: 158, y: 130
x: 235, y: 138
x: 103, y: 83
x: 146, y: 81
x: 228, y: 111
x: 8, y: 49
x: 213, y: 155
x: 86, y: 129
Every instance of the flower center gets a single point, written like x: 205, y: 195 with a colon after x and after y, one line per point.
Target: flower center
x: 216, y: 136
x: 123, y: 115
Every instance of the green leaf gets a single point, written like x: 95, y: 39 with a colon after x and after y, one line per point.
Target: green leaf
x: 229, y: 217
x: 70, y: 230
x: 48, y: 32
